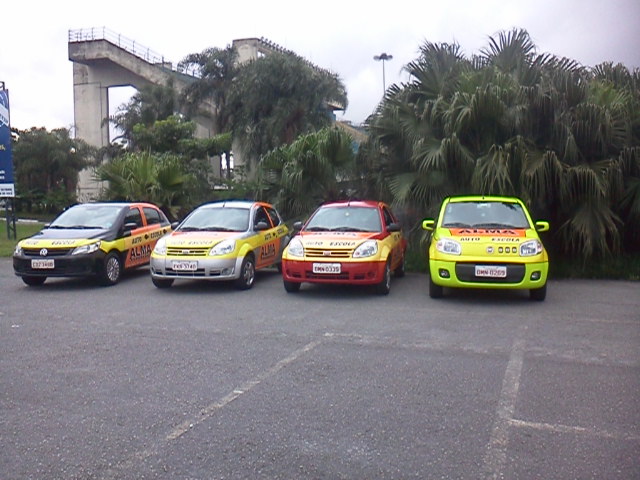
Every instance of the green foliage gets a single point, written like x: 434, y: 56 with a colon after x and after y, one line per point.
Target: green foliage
x: 46, y: 168
x: 23, y: 230
x: 310, y: 171
x: 513, y: 122
x: 278, y: 97
x: 157, y: 178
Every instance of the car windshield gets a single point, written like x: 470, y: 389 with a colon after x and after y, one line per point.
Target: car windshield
x: 484, y: 215
x: 345, y: 219
x: 88, y: 216
x: 225, y: 219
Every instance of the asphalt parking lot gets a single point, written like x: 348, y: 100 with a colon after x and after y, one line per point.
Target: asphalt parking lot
x: 202, y: 381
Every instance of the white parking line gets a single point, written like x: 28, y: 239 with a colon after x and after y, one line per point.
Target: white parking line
x: 211, y: 409
x: 556, y: 428
x: 496, y: 454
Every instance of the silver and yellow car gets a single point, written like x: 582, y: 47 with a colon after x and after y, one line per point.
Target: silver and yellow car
x: 225, y: 240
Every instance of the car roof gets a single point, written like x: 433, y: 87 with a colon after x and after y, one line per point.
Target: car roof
x: 352, y: 203
x: 233, y: 203
x: 115, y: 204
x: 482, y: 198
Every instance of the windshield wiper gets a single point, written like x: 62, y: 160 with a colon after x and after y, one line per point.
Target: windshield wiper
x: 456, y: 225
x: 317, y: 229
x: 190, y: 229
x: 216, y: 228
x: 76, y: 227
x: 349, y: 229
x: 491, y: 225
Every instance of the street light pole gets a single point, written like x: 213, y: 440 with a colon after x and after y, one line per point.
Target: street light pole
x: 383, y: 57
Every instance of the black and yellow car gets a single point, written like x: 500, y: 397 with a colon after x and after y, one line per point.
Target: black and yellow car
x: 92, y: 239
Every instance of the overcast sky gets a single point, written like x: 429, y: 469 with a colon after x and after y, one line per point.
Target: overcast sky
x: 342, y: 36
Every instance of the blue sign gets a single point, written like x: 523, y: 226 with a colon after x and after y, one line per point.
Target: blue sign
x: 7, y: 186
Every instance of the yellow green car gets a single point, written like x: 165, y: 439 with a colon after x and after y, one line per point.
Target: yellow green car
x: 486, y: 242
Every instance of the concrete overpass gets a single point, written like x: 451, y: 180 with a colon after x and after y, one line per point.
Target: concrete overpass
x: 103, y: 59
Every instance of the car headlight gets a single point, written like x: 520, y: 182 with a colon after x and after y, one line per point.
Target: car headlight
x: 223, y: 248
x: 530, y: 248
x: 161, y: 247
x: 448, y: 246
x: 295, y: 248
x: 18, y: 250
x: 366, y: 249
x: 86, y: 249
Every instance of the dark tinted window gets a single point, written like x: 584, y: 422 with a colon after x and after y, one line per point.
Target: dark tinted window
x: 133, y: 216
x: 261, y: 216
x: 275, y: 218
x: 152, y: 215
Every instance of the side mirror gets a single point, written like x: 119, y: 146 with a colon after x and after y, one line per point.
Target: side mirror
x: 428, y: 224
x: 262, y: 226
x: 394, y: 227
x: 297, y: 226
x: 126, y: 229
x: 174, y: 225
x: 542, y: 226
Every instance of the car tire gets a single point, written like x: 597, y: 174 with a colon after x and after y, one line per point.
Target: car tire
x: 111, y: 270
x: 384, y: 287
x: 162, y: 282
x: 279, y: 267
x: 399, y: 271
x: 538, y: 294
x: 435, y: 291
x: 247, y: 274
x: 33, y: 281
x: 291, y: 287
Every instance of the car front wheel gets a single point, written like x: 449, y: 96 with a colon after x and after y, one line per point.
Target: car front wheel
x: 162, y: 282
x: 384, y: 287
x: 435, y: 291
x: 33, y: 281
x: 111, y: 270
x: 291, y: 287
x: 247, y: 274
x: 538, y: 294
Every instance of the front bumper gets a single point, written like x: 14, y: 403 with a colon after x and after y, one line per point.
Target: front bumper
x: 462, y: 274
x: 354, y: 273
x: 64, y: 265
x: 207, y: 269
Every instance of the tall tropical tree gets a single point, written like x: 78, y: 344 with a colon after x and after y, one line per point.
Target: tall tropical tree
x: 512, y: 121
x: 313, y: 169
x: 276, y: 98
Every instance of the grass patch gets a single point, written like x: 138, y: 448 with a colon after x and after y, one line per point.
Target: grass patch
x: 23, y: 230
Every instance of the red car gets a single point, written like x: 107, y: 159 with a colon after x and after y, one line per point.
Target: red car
x: 351, y: 242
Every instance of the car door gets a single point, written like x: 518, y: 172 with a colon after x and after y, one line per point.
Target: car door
x: 269, y: 243
x: 396, y: 237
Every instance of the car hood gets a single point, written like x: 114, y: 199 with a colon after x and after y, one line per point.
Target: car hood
x: 336, y: 239
x: 65, y: 237
x: 489, y: 235
x: 200, y: 239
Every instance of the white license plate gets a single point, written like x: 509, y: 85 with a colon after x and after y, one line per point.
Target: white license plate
x: 184, y: 266
x: 491, y: 271
x: 326, y: 268
x: 42, y: 264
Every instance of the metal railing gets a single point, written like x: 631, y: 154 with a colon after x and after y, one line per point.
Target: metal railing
x: 131, y: 46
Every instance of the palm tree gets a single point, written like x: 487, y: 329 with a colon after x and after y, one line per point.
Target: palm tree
x: 309, y: 171
x: 512, y: 121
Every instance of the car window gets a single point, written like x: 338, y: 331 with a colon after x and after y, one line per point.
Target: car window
x: 275, y: 218
x: 261, y: 216
x: 484, y: 215
x: 348, y: 218
x: 88, y: 216
x: 133, y: 216
x: 217, y: 219
x: 152, y: 215
x: 388, y: 217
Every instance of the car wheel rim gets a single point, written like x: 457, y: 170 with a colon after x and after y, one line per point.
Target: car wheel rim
x: 113, y: 269
x: 249, y: 273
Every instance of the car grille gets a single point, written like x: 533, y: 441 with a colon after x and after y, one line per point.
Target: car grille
x: 51, y: 252
x: 188, y: 252
x: 466, y: 272
x: 325, y: 253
